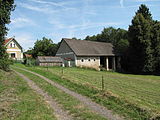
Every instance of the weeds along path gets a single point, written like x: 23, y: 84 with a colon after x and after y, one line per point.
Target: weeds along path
x: 58, y: 111
x: 86, y: 101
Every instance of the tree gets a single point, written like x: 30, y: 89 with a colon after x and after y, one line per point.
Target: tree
x: 118, y: 37
x: 156, y: 45
x: 75, y: 38
x: 44, y: 47
x: 6, y: 6
x: 91, y: 38
x: 144, y: 10
x: 140, y: 45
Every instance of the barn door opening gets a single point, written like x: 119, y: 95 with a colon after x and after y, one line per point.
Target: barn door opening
x: 103, y: 61
x: 110, y: 62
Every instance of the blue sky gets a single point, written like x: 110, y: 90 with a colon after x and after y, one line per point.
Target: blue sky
x: 57, y: 19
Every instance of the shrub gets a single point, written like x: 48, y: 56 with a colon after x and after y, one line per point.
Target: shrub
x: 4, y: 64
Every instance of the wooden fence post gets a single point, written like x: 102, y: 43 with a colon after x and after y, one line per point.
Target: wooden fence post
x: 62, y: 72
x: 102, y: 83
x: 47, y: 66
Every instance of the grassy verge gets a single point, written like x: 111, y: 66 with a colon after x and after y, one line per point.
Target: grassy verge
x: 135, y: 97
x: 19, y: 102
x: 73, y: 106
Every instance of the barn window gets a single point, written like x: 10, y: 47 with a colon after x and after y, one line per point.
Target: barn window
x: 82, y: 60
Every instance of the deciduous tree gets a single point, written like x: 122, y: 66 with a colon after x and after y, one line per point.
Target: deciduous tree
x: 44, y: 47
x: 6, y: 6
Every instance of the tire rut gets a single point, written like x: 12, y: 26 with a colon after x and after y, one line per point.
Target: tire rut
x: 85, y: 100
x: 58, y: 111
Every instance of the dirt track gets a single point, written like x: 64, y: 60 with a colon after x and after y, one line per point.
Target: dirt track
x: 58, y: 111
x: 86, y: 101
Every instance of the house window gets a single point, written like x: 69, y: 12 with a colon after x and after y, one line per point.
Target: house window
x: 94, y: 59
x: 82, y: 60
x: 13, y: 55
x: 14, y: 45
x: 89, y: 60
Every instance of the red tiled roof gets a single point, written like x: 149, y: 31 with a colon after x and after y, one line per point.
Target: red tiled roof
x: 7, y: 40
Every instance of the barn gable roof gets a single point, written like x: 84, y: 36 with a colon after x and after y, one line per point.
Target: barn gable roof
x: 49, y: 59
x: 90, y: 48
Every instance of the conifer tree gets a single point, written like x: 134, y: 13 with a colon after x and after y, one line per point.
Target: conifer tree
x: 140, y: 45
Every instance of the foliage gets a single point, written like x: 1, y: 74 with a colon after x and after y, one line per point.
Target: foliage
x: 4, y: 63
x: 76, y: 38
x: 156, y: 45
x: 140, y: 45
x: 6, y: 6
x: 143, y: 56
x: 118, y: 37
x: 30, y: 62
x: 44, y: 47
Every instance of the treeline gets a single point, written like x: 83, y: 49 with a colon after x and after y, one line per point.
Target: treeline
x: 139, y: 46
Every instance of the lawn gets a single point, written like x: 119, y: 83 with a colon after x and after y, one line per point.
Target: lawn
x: 136, y: 96
x: 70, y: 104
x: 19, y: 102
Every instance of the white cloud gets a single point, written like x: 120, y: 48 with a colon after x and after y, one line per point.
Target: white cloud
x: 62, y: 5
x: 25, y: 40
x: 85, y: 25
x: 43, y: 9
x: 47, y: 2
x: 18, y: 20
x: 21, y: 22
x: 93, y: 25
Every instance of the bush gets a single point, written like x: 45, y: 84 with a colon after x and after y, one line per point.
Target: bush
x: 30, y: 62
x: 4, y: 64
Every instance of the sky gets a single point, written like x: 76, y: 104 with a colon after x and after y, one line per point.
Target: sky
x: 57, y: 19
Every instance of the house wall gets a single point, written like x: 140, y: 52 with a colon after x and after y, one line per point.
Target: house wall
x: 88, y: 62
x: 14, y: 49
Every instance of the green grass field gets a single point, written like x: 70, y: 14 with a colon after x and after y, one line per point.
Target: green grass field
x: 70, y: 104
x: 133, y: 96
x: 19, y: 102
x: 140, y: 89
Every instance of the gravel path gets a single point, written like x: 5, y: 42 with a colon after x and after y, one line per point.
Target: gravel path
x: 92, y: 105
x: 86, y: 101
x: 58, y: 111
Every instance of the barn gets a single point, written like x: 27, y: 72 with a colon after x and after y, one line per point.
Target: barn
x: 89, y: 54
x: 49, y: 61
